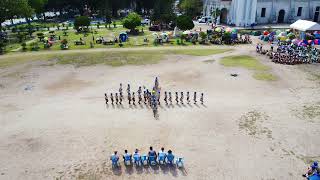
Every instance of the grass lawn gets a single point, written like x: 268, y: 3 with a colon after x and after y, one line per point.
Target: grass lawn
x: 265, y: 76
x: 112, y: 58
x: 244, y: 61
x: 251, y: 63
x: 200, y: 52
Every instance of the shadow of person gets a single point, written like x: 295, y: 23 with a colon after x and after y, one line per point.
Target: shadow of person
x: 146, y: 168
x: 107, y: 106
x: 121, y: 106
x: 173, y: 170
x: 155, y: 168
x: 139, y: 169
x: 183, y: 171
x: 190, y: 105
x: 129, y: 169
x: 117, y: 171
x: 204, y: 105
x: 164, y: 168
x: 183, y: 105
x: 141, y: 106
x: 197, y: 105
x: 178, y: 105
x: 113, y: 106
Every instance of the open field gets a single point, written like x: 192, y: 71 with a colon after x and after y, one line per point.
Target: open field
x: 55, y: 124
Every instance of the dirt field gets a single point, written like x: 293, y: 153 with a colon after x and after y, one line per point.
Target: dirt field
x: 55, y: 124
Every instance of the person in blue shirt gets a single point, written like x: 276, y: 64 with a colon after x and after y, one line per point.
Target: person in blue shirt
x: 114, y: 158
x: 126, y: 156
x: 170, y: 157
x: 136, y: 156
x: 152, y: 154
x: 162, y: 155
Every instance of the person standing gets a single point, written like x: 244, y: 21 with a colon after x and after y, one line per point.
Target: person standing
x: 165, y: 98
x: 195, y: 97
x: 133, y: 99
x: 188, y: 97
x: 170, y: 98
x: 158, y: 97
x: 201, y: 98
x: 177, y: 98
x: 145, y: 97
x: 128, y: 89
x: 117, y: 98
x: 129, y: 98
x: 140, y: 98
x: 120, y: 99
x: 111, y: 98
x: 106, y: 98
x: 181, y: 98
x: 120, y: 91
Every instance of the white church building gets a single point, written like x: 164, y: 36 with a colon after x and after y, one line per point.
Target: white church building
x: 247, y: 12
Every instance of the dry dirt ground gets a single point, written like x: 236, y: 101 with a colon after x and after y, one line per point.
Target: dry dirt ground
x: 55, y: 124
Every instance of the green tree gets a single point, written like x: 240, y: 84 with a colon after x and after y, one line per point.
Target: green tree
x: 11, y: 8
x: 191, y: 8
x: 163, y: 11
x: 81, y: 21
x: 185, y: 22
x: 38, y: 6
x: 132, y: 21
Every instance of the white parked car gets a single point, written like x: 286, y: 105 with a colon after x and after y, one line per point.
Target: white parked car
x: 205, y: 19
x: 145, y: 21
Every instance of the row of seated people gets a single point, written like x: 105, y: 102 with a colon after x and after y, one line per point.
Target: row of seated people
x: 153, y: 158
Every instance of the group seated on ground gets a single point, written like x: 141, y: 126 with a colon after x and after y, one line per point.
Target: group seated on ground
x: 291, y: 54
x: 313, y: 171
x: 153, y: 158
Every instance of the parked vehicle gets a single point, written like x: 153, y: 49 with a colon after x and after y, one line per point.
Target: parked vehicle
x: 205, y: 19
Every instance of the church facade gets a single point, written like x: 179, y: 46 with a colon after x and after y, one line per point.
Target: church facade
x: 247, y: 12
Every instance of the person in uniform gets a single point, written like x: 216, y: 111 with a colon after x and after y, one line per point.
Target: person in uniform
x: 120, y: 91
x: 120, y: 99
x: 188, y: 97
x: 140, y: 98
x: 106, y: 98
x: 165, y: 97
x: 129, y: 98
x: 117, y: 98
x: 195, y: 97
x: 133, y: 99
x: 181, y: 98
x: 128, y: 89
x: 111, y: 98
x: 177, y: 98
x: 145, y: 97
x: 201, y: 98
x: 170, y: 98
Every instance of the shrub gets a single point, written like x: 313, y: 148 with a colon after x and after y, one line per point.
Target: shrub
x: 81, y: 21
x: 132, y: 21
x: 24, y: 46
x: 34, y: 46
x: 185, y: 23
x: 64, y: 41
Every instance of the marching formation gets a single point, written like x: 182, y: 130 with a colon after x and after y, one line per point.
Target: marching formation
x: 152, y: 98
x: 291, y: 54
x: 152, y: 158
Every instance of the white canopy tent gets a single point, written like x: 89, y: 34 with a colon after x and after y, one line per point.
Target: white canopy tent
x: 304, y: 25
